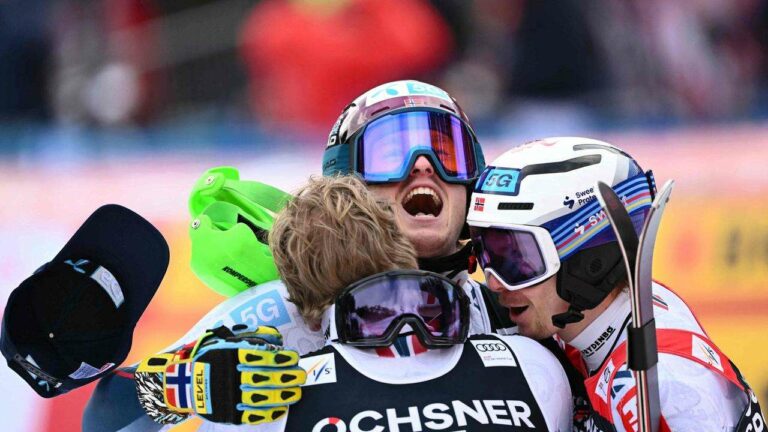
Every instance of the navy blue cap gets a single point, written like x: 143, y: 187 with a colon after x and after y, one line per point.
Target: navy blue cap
x: 72, y: 321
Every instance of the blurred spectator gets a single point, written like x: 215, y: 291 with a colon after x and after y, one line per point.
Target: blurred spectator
x: 759, y: 25
x: 24, y: 59
x: 555, y: 54
x: 483, y: 73
x: 597, y: 62
x: 688, y: 59
x: 532, y: 49
x: 104, y: 53
x: 307, y: 58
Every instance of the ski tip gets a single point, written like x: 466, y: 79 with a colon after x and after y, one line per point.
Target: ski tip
x: 664, y: 193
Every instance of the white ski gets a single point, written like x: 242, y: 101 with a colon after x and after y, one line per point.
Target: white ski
x: 642, y: 354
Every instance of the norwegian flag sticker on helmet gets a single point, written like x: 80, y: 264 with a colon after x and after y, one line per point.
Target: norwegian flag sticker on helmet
x: 479, y: 204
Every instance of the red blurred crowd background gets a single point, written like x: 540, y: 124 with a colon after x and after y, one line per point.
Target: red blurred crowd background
x: 291, y: 65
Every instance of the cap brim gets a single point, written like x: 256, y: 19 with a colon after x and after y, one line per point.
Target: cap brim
x: 127, y: 245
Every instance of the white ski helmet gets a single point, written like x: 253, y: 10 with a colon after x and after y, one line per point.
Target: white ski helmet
x: 535, y: 214
x: 382, y: 132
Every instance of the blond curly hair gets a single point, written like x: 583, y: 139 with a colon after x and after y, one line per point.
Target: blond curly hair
x: 334, y: 232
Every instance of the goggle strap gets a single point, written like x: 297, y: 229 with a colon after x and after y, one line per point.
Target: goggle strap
x: 330, y: 332
x: 651, y: 183
x: 337, y: 160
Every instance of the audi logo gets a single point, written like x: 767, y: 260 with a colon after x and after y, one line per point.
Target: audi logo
x: 486, y: 347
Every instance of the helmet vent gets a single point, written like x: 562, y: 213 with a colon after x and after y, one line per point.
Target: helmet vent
x: 601, y: 147
x: 560, y: 167
x: 379, y: 110
x: 515, y: 206
x: 448, y: 108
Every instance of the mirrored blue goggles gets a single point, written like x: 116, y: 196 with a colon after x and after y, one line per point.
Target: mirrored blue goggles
x: 388, y: 147
x: 371, y: 312
x: 518, y: 256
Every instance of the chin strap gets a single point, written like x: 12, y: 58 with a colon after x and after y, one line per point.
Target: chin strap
x: 572, y: 315
x: 450, y: 265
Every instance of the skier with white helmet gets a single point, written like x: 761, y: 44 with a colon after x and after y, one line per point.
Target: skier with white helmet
x: 547, y: 249
x: 413, y: 146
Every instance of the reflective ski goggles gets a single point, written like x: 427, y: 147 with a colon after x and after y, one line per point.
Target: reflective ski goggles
x: 387, y: 148
x: 372, y: 311
x: 518, y: 256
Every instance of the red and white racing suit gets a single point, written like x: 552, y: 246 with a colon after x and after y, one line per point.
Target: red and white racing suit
x: 700, y: 389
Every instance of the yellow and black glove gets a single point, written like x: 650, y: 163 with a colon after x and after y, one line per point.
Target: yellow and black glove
x: 237, y: 376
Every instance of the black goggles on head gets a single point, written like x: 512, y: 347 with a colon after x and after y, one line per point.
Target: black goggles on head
x: 371, y: 312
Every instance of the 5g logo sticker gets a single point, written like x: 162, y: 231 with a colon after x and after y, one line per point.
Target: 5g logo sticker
x: 502, y: 181
x: 266, y: 309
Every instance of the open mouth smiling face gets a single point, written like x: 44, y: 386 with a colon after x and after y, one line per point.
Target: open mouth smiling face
x: 423, y: 202
x: 429, y: 211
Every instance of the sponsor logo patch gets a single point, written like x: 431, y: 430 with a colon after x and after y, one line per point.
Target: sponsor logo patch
x: 586, y: 196
x: 200, y: 388
x: 239, y: 276
x: 502, y: 181
x: 602, y: 385
x: 597, y: 344
x: 405, y: 88
x: 452, y: 416
x: 266, y: 309
x: 494, y: 353
x: 107, y: 281
x: 320, y: 369
x: 86, y: 371
x: 702, y: 351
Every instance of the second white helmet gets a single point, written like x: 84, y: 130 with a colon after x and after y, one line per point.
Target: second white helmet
x: 534, y: 214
